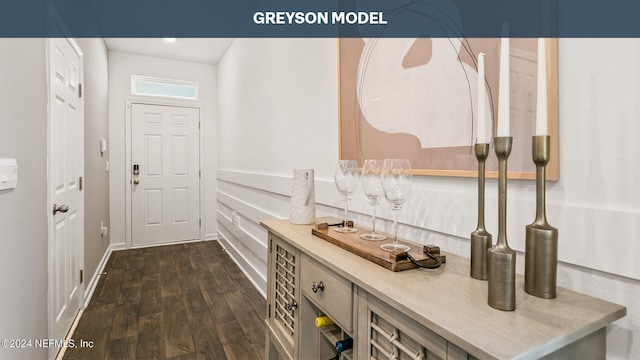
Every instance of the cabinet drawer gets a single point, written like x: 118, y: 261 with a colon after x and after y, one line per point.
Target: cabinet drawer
x: 333, y: 294
x: 393, y: 332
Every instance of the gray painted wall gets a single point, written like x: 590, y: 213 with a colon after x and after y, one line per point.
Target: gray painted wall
x: 96, y: 127
x: 23, y: 210
x: 121, y: 67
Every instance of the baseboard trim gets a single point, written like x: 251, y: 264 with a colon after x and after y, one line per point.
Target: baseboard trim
x: 89, y: 290
x: 210, y: 237
x: 72, y: 329
x: 231, y: 251
x: 168, y: 243
x: 91, y: 287
x: 118, y: 246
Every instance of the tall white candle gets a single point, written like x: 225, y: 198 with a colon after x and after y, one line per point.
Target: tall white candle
x: 503, y: 96
x: 482, y: 121
x: 541, y: 110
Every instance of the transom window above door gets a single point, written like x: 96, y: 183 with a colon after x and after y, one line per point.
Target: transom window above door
x: 177, y: 89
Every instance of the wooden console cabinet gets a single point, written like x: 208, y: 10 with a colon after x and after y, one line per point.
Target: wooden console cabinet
x: 413, y: 314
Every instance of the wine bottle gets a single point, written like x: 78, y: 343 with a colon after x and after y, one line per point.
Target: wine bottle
x: 323, y: 321
x: 344, y: 345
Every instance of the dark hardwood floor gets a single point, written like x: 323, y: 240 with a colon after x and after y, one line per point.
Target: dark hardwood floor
x: 187, y: 301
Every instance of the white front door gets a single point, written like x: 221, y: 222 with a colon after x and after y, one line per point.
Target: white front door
x: 65, y: 172
x: 165, y: 173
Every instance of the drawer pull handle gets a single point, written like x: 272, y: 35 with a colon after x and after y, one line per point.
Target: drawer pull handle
x: 291, y: 306
x: 315, y: 287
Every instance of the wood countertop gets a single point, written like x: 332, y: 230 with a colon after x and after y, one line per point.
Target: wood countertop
x: 453, y: 304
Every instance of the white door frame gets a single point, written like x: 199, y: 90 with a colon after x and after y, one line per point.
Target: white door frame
x: 128, y: 131
x: 50, y: 219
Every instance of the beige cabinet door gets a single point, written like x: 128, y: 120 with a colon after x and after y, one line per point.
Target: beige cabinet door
x: 283, y: 293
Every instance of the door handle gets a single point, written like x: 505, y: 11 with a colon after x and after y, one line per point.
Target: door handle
x: 291, y: 306
x: 61, y: 208
x: 315, y: 287
x: 136, y: 181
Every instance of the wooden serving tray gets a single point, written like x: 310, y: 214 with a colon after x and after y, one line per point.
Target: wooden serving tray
x: 371, y: 251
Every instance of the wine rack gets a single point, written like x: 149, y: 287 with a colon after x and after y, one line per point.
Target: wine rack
x: 285, y: 284
x: 320, y: 343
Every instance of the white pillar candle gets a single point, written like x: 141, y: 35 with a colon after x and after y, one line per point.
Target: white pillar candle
x: 482, y: 120
x: 541, y: 110
x: 503, y: 98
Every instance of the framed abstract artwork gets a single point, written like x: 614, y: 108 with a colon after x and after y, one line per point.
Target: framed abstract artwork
x: 417, y: 99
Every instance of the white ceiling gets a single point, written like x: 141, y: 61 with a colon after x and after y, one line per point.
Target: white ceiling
x: 206, y: 51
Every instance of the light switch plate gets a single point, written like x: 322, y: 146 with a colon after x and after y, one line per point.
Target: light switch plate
x: 8, y: 174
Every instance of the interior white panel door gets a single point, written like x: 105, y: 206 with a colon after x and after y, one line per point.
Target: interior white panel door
x: 66, y: 167
x: 165, y: 192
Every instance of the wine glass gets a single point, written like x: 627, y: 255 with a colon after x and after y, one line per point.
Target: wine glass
x: 371, y: 179
x: 396, y: 182
x: 346, y: 178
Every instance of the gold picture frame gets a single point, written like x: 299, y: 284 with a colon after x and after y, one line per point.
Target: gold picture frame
x: 408, y: 84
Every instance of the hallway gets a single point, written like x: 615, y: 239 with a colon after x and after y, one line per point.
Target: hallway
x: 186, y: 301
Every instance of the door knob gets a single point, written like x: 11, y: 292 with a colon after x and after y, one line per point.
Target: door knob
x: 61, y: 208
x: 315, y: 287
x: 291, y: 306
x: 136, y: 181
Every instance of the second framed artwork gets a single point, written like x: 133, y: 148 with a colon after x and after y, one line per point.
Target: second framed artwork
x: 417, y: 99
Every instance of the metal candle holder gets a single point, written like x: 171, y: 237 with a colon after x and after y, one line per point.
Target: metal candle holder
x: 501, y: 259
x: 480, y: 238
x: 541, y: 256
